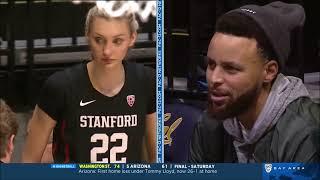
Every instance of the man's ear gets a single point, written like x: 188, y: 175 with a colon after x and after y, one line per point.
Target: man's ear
x: 133, y: 39
x: 11, y: 144
x: 271, y: 71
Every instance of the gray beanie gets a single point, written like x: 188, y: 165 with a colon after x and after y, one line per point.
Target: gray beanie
x: 277, y: 20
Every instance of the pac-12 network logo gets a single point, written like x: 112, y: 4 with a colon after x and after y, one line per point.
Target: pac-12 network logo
x: 268, y: 167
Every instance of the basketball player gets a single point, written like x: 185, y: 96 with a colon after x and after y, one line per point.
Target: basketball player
x: 8, y: 130
x: 101, y: 110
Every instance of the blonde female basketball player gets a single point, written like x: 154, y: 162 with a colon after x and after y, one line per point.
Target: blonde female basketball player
x: 102, y: 109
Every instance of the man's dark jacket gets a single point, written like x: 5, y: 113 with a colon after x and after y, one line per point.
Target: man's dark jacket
x: 294, y: 138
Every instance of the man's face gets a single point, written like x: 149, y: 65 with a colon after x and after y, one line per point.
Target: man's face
x: 234, y: 75
x: 110, y: 40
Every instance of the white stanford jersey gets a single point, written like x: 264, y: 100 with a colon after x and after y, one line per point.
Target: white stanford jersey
x: 92, y: 127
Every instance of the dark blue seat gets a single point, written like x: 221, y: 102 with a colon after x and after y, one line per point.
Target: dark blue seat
x: 180, y: 119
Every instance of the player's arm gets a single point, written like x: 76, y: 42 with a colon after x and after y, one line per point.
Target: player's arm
x: 47, y: 156
x: 39, y: 131
x: 151, y: 123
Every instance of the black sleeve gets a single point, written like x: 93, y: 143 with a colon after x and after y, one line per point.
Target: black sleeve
x: 151, y: 90
x: 196, y: 154
x: 298, y: 132
x: 207, y: 142
x: 309, y: 149
x: 52, y: 96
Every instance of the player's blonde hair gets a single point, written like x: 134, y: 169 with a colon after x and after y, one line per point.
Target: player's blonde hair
x: 101, y: 12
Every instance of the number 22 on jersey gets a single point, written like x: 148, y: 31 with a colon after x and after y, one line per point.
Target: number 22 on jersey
x: 105, y: 147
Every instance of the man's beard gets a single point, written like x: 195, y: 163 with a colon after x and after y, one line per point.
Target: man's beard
x: 234, y: 107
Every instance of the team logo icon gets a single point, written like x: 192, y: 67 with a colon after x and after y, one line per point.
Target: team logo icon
x: 168, y: 130
x: 268, y: 167
x: 130, y: 100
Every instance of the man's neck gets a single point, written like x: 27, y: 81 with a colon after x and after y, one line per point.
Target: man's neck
x: 249, y: 117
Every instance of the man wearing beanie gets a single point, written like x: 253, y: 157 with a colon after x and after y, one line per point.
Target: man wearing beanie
x: 256, y: 113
